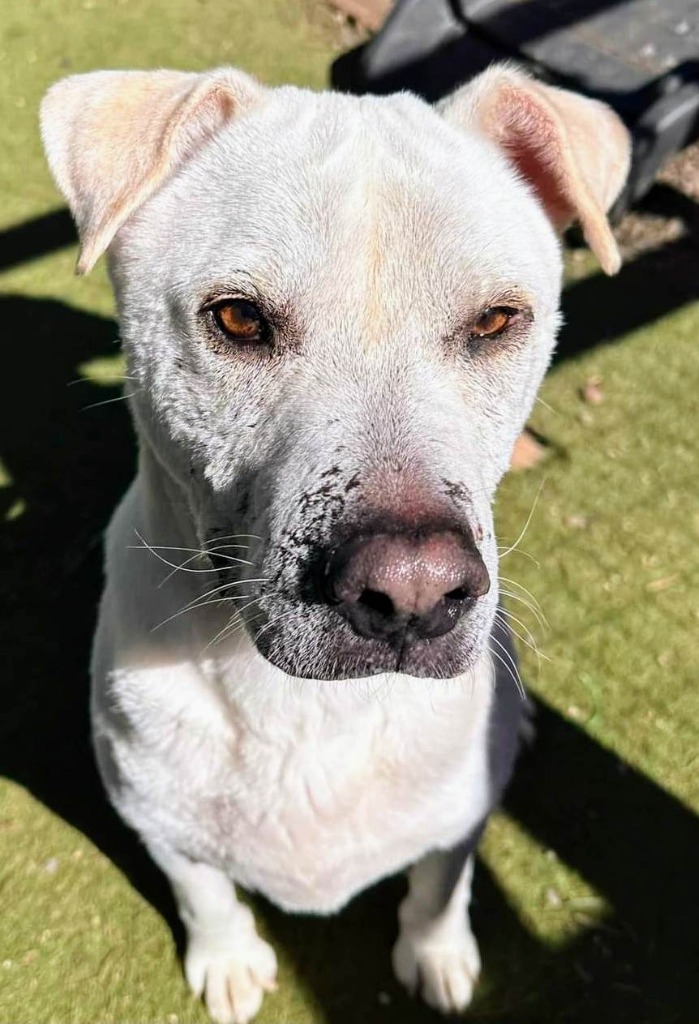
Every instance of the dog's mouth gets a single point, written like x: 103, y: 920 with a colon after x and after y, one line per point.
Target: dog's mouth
x: 318, y: 641
x: 346, y: 656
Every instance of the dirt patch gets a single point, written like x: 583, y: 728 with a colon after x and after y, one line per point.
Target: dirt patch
x: 368, y: 15
x: 669, y: 212
x: 682, y: 172
x: 332, y: 25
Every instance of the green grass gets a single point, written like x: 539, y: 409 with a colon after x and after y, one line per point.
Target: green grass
x: 587, y: 894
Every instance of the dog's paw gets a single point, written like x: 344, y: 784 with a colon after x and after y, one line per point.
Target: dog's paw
x: 443, y: 969
x: 233, y: 979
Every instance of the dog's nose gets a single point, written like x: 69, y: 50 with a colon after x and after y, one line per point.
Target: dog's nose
x: 386, y: 583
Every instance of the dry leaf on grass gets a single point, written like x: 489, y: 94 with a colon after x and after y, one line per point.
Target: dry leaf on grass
x: 527, y: 453
x: 371, y: 14
x: 577, y: 521
x: 655, y: 586
x: 592, y: 392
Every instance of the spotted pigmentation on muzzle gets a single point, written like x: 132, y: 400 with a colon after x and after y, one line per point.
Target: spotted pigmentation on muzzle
x: 371, y: 580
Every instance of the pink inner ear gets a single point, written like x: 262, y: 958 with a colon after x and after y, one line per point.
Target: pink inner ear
x: 533, y: 141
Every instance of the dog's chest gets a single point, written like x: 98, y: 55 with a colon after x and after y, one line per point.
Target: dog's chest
x: 315, y: 797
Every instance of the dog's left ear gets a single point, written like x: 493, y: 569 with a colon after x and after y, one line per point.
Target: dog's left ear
x: 573, y: 151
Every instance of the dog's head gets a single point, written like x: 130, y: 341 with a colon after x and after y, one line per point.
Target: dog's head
x: 337, y: 312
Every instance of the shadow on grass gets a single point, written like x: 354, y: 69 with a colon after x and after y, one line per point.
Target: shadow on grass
x: 600, y: 309
x: 633, y: 842
x: 68, y: 465
x: 36, y: 237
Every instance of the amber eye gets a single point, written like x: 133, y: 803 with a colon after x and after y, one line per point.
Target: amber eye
x: 240, y: 321
x: 493, y: 321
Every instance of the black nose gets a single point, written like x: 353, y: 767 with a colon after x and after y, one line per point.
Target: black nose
x: 385, y: 584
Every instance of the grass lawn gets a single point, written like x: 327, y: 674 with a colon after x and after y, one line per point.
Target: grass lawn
x: 587, y: 896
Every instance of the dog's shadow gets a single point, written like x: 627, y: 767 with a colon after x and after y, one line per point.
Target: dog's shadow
x: 68, y: 465
x: 67, y: 450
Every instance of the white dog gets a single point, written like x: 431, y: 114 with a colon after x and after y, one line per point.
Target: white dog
x: 336, y: 312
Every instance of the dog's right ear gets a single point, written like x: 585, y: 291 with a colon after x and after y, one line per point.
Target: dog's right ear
x: 113, y: 137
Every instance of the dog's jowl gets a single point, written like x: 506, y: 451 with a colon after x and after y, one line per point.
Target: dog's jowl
x: 336, y: 313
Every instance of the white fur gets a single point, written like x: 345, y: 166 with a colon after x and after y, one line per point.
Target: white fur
x: 381, y: 229
x: 436, y: 949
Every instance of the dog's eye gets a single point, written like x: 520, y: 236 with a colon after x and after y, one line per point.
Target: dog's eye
x: 493, y: 321
x: 240, y: 321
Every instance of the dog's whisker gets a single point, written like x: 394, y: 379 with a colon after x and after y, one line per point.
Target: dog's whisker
x: 172, y: 572
x: 518, y: 599
x: 238, y: 622
x: 540, y: 620
x: 514, y: 670
x: 182, y: 567
x: 206, y: 553
x: 271, y: 622
x: 200, y: 551
x: 530, y: 643
x: 524, y: 529
x: 506, y: 616
x: 201, y: 604
x: 509, y: 672
x: 520, y: 586
x: 203, y: 553
x: 108, y: 401
x: 235, y: 536
x: 192, y: 558
x: 523, y: 589
x: 232, y: 583
x: 511, y: 662
x: 217, y: 590
x: 518, y: 551
x: 220, y: 547
x: 145, y: 546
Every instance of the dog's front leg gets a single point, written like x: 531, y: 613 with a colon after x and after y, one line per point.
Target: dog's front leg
x: 226, y: 960
x: 436, y: 951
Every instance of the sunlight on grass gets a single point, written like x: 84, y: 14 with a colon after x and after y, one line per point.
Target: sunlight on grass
x: 106, y: 371
x: 553, y: 902
x: 17, y: 506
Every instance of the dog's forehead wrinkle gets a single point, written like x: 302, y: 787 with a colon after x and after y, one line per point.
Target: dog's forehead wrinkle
x: 373, y: 220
